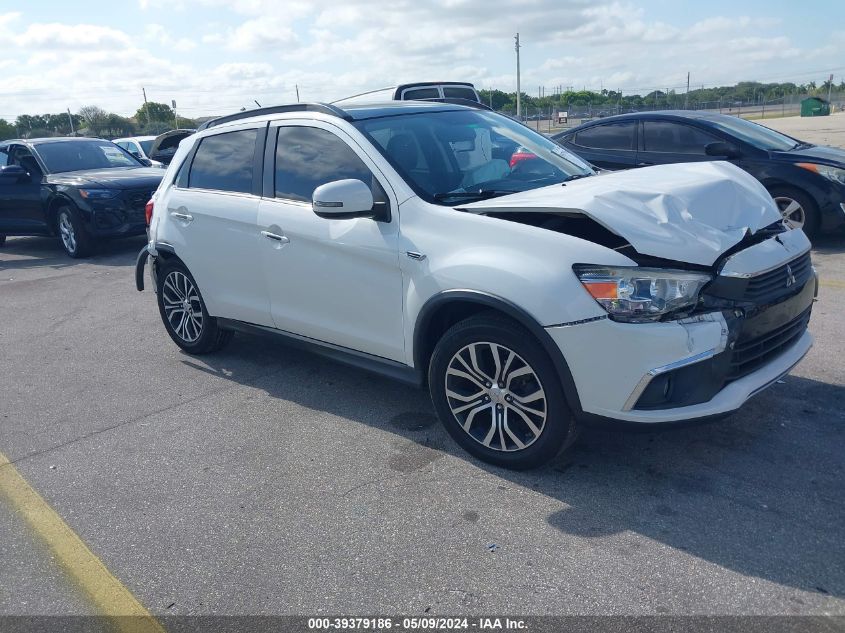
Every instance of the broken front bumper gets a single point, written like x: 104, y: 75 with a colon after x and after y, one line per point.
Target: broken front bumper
x: 698, y: 367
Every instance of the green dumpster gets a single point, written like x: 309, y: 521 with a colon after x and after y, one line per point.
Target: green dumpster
x: 814, y: 106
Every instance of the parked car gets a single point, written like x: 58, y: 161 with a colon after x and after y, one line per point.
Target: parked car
x: 416, y: 91
x: 139, y: 147
x: 807, y: 181
x: 80, y: 189
x: 164, y: 145
x: 391, y: 237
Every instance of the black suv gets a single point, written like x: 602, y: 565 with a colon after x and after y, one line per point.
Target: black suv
x: 81, y: 189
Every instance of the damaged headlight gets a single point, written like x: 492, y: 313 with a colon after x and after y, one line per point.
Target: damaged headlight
x: 641, y: 294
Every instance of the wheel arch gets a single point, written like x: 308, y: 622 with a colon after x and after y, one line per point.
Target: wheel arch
x: 56, y: 202
x: 444, y: 309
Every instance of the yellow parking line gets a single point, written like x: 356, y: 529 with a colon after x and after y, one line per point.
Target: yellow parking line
x: 832, y: 283
x: 107, y: 593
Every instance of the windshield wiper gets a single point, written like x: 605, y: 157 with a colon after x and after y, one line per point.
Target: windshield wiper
x: 481, y: 194
x: 802, y: 145
x: 575, y: 177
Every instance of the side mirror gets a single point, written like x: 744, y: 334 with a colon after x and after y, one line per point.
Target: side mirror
x: 721, y: 149
x: 342, y: 200
x: 146, y: 162
x: 12, y: 174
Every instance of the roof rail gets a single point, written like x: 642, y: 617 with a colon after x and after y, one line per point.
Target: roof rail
x: 456, y: 101
x: 324, y: 108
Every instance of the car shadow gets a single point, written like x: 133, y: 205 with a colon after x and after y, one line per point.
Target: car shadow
x: 761, y: 492
x: 20, y: 253
x: 830, y: 244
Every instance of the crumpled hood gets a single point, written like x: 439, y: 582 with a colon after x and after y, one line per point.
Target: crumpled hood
x: 688, y: 212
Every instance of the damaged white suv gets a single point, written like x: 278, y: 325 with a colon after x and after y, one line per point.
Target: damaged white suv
x: 447, y: 245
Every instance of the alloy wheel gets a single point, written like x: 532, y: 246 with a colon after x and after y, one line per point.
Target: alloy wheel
x: 182, y: 306
x: 67, y: 233
x: 791, y: 211
x: 496, y: 396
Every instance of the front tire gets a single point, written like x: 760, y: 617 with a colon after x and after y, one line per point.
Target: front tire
x: 75, y: 238
x: 798, y: 209
x: 498, y: 394
x: 184, y: 314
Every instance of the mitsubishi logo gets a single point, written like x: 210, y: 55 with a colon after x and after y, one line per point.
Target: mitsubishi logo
x: 790, y: 278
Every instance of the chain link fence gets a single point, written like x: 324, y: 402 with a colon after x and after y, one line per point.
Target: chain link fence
x: 551, y: 119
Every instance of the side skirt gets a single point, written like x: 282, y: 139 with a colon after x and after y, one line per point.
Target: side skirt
x: 376, y: 364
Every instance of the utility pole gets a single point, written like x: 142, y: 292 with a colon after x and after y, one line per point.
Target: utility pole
x: 146, y: 110
x: 70, y: 118
x: 829, y: 88
x: 297, y: 92
x: 686, y: 98
x: 518, y: 101
x: 175, y: 116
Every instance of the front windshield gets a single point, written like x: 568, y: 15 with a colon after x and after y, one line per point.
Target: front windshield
x: 62, y: 156
x: 757, y: 135
x: 450, y: 157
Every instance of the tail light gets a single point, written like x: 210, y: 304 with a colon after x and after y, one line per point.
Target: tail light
x: 520, y: 155
x: 148, y: 211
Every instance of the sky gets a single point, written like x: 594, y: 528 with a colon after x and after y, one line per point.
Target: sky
x: 217, y: 56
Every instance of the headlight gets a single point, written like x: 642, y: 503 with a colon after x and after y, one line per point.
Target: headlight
x: 641, y: 294
x: 831, y: 173
x: 98, y: 194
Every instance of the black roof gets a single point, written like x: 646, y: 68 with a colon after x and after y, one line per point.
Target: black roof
x: 51, y: 139
x: 672, y: 114
x: 354, y: 112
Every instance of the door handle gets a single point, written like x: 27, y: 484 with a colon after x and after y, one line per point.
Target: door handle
x: 282, y: 239
x: 186, y: 217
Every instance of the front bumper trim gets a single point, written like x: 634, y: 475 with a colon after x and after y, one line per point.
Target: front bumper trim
x: 646, y: 379
x: 729, y: 399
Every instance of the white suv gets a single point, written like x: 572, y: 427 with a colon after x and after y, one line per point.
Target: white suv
x: 530, y: 296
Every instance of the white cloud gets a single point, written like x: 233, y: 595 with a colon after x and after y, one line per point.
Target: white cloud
x: 261, y: 34
x: 54, y: 35
x: 159, y: 35
x: 213, y: 56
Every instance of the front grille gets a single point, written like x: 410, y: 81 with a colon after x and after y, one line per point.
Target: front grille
x: 749, y: 355
x: 789, y: 275
x: 137, y: 200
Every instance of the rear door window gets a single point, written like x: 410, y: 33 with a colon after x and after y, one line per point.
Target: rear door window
x: 225, y: 162
x: 675, y: 138
x: 617, y: 136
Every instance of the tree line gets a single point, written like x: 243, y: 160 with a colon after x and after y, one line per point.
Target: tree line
x: 745, y: 92
x: 155, y: 118
x: 151, y: 119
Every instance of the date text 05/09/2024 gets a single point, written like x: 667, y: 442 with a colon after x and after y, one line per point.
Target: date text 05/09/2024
x: 416, y: 624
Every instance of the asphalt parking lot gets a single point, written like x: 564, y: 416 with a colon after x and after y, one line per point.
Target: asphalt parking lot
x: 267, y: 480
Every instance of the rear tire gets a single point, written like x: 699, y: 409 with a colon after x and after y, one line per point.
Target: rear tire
x: 76, y: 240
x: 498, y: 394
x: 184, y: 314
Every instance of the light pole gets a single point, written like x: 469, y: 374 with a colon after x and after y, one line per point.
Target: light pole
x: 518, y: 102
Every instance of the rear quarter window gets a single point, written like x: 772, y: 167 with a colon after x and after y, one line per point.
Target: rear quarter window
x: 452, y: 92
x: 421, y: 93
